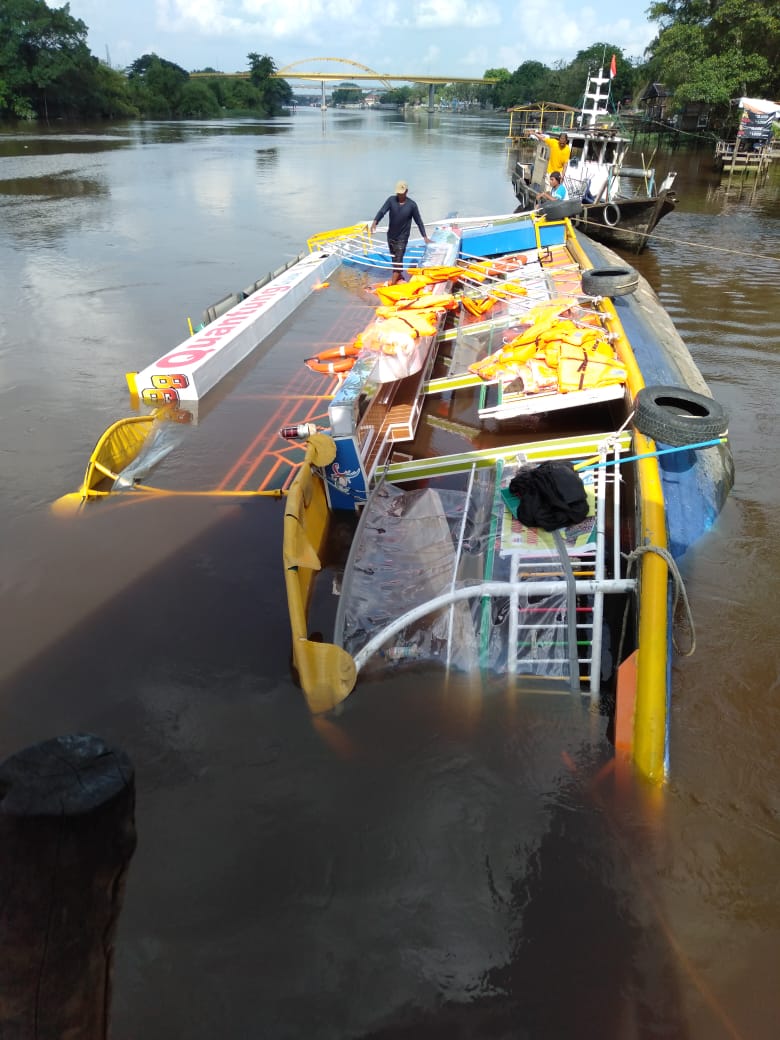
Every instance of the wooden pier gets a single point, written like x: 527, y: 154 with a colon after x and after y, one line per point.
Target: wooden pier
x: 731, y: 158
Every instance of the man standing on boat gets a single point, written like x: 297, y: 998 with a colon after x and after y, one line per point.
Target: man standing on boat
x: 403, y: 211
x: 560, y: 153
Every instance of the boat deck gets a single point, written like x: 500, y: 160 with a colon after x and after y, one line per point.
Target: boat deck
x: 556, y: 276
x: 247, y: 411
x: 468, y: 584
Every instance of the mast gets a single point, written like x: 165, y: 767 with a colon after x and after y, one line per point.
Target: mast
x: 594, y: 103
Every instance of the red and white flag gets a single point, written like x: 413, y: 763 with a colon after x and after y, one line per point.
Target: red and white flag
x: 612, y: 68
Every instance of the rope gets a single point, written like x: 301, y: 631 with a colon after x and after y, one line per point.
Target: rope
x: 688, y: 243
x: 679, y: 594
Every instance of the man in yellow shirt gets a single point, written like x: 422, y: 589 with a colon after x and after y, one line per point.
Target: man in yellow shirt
x: 560, y: 153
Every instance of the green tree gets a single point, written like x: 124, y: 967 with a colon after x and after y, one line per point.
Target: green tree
x: 43, y: 54
x: 156, y: 86
x: 716, y: 50
x: 275, y: 94
x: 490, y: 93
x: 242, y: 96
x: 107, y: 95
x: 347, y: 94
x: 196, y: 101
x: 397, y: 96
x: 530, y: 81
x: 574, y: 77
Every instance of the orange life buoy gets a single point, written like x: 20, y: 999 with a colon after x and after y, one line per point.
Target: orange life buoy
x: 334, y: 360
x: 330, y: 368
x: 333, y: 353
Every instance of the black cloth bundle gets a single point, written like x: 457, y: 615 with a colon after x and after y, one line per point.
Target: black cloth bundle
x: 551, y: 495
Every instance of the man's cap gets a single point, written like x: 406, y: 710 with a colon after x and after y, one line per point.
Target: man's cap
x: 401, y: 187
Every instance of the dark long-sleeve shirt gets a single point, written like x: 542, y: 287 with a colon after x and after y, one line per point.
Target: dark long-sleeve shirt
x: 401, y: 216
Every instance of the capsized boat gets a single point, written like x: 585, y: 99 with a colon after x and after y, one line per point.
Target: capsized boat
x: 175, y: 390
x: 515, y: 344
x: 609, y: 200
x: 448, y: 567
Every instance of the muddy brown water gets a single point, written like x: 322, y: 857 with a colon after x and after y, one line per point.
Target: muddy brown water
x: 440, y: 860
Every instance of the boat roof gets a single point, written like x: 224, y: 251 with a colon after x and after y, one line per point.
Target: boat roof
x: 543, y: 114
x: 555, y: 117
x: 544, y: 106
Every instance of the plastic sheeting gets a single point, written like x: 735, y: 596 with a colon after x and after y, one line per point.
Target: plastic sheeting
x: 405, y: 552
x: 165, y: 436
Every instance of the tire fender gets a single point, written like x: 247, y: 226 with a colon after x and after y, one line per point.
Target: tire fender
x: 610, y: 281
x: 678, y: 416
x: 560, y: 209
x: 611, y: 214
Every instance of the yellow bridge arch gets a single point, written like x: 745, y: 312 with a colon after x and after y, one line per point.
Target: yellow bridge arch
x: 287, y: 73
x: 370, y: 74
x: 366, y: 74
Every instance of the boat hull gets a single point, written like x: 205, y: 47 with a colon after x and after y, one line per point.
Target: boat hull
x: 537, y: 294
x: 654, y: 511
x: 696, y: 484
x: 626, y: 223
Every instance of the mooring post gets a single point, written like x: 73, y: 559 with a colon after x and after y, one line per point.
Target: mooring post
x: 67, y: 834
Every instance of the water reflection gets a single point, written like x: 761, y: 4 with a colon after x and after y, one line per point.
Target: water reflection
x: 28, y: 146
x: 64, y: 186
x: 441, y: 860
x: 180, y: 132
x: 592, y: 951
x: 266, y: 158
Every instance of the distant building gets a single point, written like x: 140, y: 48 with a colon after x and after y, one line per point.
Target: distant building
x: 655, y: 103
x: 695, y: 116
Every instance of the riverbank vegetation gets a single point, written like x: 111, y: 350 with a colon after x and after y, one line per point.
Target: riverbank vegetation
x: 706, y: 51
x: 47, y: 72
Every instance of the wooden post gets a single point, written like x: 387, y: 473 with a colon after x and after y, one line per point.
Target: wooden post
x: 67, y: 834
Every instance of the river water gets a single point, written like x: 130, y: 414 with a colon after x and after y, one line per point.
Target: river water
x: 439, y: 860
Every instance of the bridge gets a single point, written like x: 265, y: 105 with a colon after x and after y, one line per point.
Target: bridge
x: 367, y: 74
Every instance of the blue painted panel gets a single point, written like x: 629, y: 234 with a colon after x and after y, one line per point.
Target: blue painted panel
x: 496, y: 239
x: 345, y: 478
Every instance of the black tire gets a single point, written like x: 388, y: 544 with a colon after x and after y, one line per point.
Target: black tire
x: 563, y: 208
x: 610, y: 281
x: 677, y: 416
x: 611, y: 214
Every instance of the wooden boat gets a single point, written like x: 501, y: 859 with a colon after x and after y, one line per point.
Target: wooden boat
x: 417, y: 470
x: 610, y: 201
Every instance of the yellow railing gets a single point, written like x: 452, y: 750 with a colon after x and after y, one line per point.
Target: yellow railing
x: 357, y: 233
x: 326, y: 672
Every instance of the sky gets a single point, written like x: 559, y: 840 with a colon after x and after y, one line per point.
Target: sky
x: 438, y: 37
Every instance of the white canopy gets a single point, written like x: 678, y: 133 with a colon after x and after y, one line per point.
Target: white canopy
x: 760, y: 105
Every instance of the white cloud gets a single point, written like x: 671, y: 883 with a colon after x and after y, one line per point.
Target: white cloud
x: 461, y: 37
x: 449, y: 14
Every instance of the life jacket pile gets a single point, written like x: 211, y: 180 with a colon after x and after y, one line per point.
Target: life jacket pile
x: 554, y: 353
x: 408, y: 312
